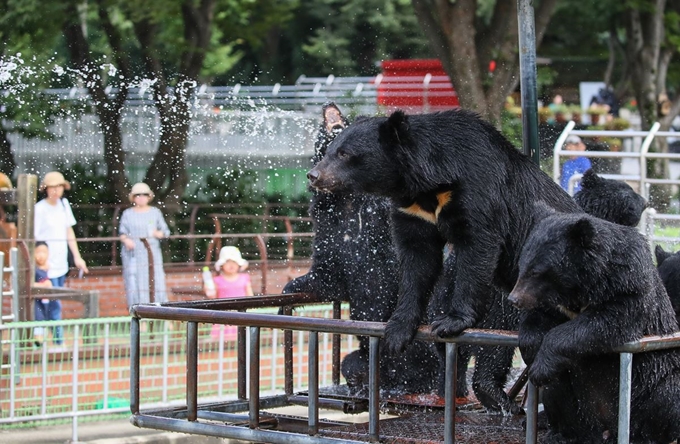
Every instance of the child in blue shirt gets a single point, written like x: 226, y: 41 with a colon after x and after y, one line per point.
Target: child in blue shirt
x: 44, y: 309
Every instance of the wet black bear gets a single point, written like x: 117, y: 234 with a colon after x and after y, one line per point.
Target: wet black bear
x: 492, y: 363
x: 610, y: 200
x: 353, y: 260
x: 668, y: 265
x: 589, y: 285
x: 452, y: 177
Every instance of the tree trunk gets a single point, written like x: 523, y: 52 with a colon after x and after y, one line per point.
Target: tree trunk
x: 645, y: 31
x: 108, y: 110
x: 466, y: 48
x: 167, y: 174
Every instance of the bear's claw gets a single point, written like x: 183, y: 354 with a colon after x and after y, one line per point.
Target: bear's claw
x: 448, y: 326
x: 397, y: 337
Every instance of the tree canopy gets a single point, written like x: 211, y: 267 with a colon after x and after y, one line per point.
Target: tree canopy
x: 172, y: 46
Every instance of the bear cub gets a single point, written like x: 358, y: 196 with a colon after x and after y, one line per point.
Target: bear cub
x: 610, y: 200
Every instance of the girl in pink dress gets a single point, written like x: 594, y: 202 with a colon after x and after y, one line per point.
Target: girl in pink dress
x: 231, y: 282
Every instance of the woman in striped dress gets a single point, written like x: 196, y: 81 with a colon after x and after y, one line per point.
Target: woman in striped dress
x: 142, y: 221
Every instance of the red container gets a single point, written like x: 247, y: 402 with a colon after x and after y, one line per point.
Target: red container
x: 415, y: 85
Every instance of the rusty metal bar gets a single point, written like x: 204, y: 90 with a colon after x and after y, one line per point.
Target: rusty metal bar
x: 288, y: 355
x: 335, y: 369
x: 360, y: 328
x: 313, y: 382
x: 247, y: 302
x: 254, y: 393
x: 262, y: 246
x: 152, y: 273
x: 450, y: 393
x: 241, y: 362
x: 192, y: 371
x: 374, y: 389
x: 134, y: 366
x: 519, y: 384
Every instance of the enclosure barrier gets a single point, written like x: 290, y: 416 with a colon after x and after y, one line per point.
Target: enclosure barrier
x: 197, y: 419
x: 87, y: 378
x: 644, y: 155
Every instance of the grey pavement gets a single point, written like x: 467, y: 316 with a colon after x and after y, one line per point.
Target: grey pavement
x: 118, y: 431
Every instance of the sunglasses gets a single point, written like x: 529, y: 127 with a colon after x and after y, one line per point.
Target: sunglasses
x: 141, y: 194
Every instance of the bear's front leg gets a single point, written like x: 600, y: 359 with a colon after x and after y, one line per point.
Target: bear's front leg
x: 534, y: 325
x: 470, y: 300
x: 593, y: 332
x: 420, y: 253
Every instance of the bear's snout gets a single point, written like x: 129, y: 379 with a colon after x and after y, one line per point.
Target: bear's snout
x: 313, y: 176
x: 521, y: 299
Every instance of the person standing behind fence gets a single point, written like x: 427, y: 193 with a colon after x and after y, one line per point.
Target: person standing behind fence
x: 53, y: 222
x: 142, y: 221
x: 231, y: 282
x: 42, y: 308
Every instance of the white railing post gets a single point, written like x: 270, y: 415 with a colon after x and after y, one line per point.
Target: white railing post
x: 644, y: 149
x: 74, y: 385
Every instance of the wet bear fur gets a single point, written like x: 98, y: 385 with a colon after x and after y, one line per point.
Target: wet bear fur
x: 668, y: 265
x: 353, y: 260
x: 452, y: 177
x: 610, y: 200
x: 492, y: 363
x: 587, y: 286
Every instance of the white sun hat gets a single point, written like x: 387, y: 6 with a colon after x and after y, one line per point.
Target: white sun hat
x: 230, y: 254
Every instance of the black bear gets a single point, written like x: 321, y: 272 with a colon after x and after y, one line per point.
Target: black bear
x: 610, y: 200
x: 668, y: 265
x: 452, y: 177
x: 588, y: 286
x: 353, y: 259
x: 492, y: 363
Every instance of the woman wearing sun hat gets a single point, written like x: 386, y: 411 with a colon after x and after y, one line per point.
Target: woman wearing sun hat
x: 53, y: 224
x: 142, y: 221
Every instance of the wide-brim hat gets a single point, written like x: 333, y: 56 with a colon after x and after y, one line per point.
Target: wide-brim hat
x: 230, y: 254
x: 140, y: 188
x: 54, y: 179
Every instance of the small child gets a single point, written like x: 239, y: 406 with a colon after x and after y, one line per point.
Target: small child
x: 42, y: 306
x: 231, y: 282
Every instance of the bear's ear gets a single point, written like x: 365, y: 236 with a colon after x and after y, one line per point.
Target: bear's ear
x: 582, y: 233
x: 661, y: 255
x: 333, y: 118
x: 589, y: 179
x: 395, y: 130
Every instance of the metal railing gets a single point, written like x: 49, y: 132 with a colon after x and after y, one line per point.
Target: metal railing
x: 643, y: 155
x: 200, y: 419
x: 88, y: 377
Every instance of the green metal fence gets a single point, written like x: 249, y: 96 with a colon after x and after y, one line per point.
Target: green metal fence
x: 89, y: 375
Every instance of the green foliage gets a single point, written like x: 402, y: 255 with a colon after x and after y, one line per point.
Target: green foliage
x: 351, y: 36
x: 230, y: 186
